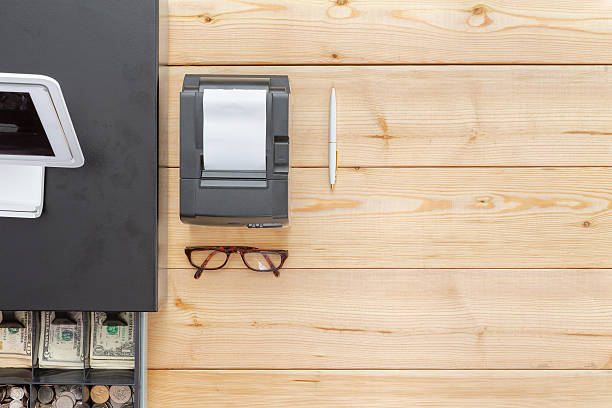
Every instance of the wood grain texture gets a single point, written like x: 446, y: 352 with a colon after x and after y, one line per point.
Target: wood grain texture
x: 388, y: 389
x: 438, y: 116
x: 212, y: 32
x: 427, y: 218
x: 318, y: 319
x: 430, y: 177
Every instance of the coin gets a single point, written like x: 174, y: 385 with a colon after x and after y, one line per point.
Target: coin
x: 85, y: 394
x: 77, y: 391
x: 99, y: 394
x: 45, y: 394
x: 64, y: 402
x: 16, y: 404
x: 69, y: 395
x: 16, y: 393
x: 120, y: 393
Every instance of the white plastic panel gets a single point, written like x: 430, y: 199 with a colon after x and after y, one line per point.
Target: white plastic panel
x: 21, y: 191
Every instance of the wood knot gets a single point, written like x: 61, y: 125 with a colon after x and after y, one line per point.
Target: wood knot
x: 206, y: 18
x: 479, y: 16
x: 481, y: 331
x: 586, y: 224
x: 334, y: 56
x: 479, y: 9
x: 341, y: 9
x: 484, y: 203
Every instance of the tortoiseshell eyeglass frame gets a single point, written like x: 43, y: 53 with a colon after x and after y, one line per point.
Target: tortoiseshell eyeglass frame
x: 228, y: 250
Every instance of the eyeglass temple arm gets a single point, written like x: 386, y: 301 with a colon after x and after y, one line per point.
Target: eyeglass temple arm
x: 201, y: 268
x: 274, y: 269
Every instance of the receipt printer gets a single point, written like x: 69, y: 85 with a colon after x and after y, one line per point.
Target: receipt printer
x: 235, y: 150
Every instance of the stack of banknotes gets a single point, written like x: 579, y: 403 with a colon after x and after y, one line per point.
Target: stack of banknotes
x: 111, y: 346
x: 16, y: 343
x: 85, y: 343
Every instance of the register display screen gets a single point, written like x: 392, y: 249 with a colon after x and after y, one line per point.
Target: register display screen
x: 21, y: 131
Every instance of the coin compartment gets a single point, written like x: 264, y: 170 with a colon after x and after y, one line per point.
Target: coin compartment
x: 5, y: 395
x: 35, y: 387
x: 92, y: 398
x: 37, y: 376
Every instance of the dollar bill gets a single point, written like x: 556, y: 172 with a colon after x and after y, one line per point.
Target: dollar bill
x: 61, y: 346
x: 16, y: 344
x: 112, y: 346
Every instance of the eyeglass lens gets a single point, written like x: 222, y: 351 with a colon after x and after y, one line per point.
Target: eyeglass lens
x: 208, y: 259
x: 262, y: 261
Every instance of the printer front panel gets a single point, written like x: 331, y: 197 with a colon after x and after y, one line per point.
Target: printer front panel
x: 234, y: 206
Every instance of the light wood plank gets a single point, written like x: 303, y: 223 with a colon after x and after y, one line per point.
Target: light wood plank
x: 307, y: 389
x: 209, y: 32
x: 448, y: 319
x: 427, y: 218
x: 438, y: 116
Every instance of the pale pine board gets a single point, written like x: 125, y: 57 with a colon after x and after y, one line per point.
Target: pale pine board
x: 213, y: 32
x: 385, y: 389
x: 436, y: 115
x: 447, y: 319
x: 424, y: 218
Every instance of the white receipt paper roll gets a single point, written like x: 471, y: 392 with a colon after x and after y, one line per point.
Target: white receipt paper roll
x: 235, y: 129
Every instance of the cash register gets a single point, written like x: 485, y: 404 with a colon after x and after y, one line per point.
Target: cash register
x: 78, y: 282
x: 235, y: 150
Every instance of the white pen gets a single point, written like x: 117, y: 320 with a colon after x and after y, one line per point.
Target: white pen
x: 333, y: 153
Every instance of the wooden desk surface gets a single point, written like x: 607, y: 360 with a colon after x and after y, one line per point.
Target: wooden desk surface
x: 463, y: 258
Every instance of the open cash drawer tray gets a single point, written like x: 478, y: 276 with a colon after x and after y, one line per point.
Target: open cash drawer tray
x: 34, y: 377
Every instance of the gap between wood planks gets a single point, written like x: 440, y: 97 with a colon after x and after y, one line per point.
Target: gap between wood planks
x: 390, y: 64
x: 436, y: 167
x: 381, y: 369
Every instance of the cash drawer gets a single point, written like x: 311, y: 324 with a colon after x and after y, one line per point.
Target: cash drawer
x: 64, y: 357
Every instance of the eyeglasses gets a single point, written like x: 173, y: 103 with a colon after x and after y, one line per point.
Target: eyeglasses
x: 213, y: 258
